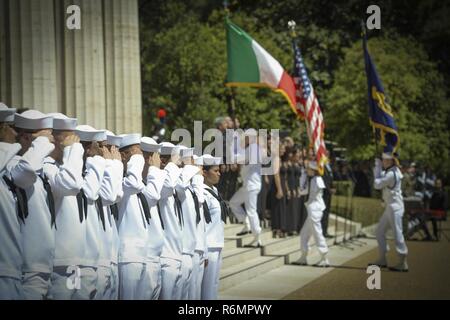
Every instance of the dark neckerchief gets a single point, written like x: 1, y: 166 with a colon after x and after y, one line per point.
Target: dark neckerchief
x: 223, y: 206
x: 159, y: 214
x: 21, y: 197
x: 178, y: 209
x: 50, y: 199
x: 197, y: 205
x: 82, y: 205
x: 100, y: 212
x: 114, y: 209
x: 145, y: 206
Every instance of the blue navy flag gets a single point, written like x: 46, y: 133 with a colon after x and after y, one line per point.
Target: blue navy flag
x: 380, y: 112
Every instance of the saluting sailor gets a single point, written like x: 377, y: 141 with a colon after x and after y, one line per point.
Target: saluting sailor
x: 217, y: 210
x: 153, y: 178
x: 172, y: 217
x: 13, y: 208
x: 38, y: 233
x: 63, y: 169
x: 110, y: 190
x: 93, y: 171
x: 313, y: 186
x: 199, y: 258
x: 387, y: 177
x: 191, y: 212
x: 113, y: 145
x: 134, y: 218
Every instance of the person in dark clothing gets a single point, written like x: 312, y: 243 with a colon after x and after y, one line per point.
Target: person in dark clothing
x: 362, y: 184
x: 438, y: 206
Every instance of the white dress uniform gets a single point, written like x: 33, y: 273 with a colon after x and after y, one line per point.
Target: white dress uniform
x: 215, y: 243
x: 248, y: 193
x: 108, y: 193
x: 171, y: 255
x: 112, y: 212
x: 154, y: 183
x: 10, y: 236
x: 38, y: 231
x: 133, y: 227
x: 201, y: 249
x: 188, y: 204
x: 93, y: 177
x: 66, y: 180
x: 389, y: 181
x: 314, y: 207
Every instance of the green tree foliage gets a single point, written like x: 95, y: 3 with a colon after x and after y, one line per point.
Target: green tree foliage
x: 416, y: 93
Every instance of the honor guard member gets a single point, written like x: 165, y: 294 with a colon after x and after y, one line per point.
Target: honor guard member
x: 217, y: 209
x: 312, y: 185
x: 134, y: 219
x: 13, y: 208
x: 248, y: 193
x: 191, y: 210
x: 38, y: 232
x: 153, y: 177
x: 113, y: 143
x: 201, y: 250
x: 63, y: 169
x: 109, y: 192
x: 388, y: 178
x: 172, y: 217
x: 93, y: 171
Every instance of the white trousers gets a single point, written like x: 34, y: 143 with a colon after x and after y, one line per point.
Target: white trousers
x: 36, y: 285
x: 391, y: 219
x: 250, y: 199
x: 210, y: 284
x: 198, y: 268
x: 186, y: 276
x: 313, y: 227
x: 132, y: 281
x: 64, y: 284
x: 170, y: 279
x: 103, y: 285
x: 114, y: 290
x: 10, y: 289
x: 153, y: 276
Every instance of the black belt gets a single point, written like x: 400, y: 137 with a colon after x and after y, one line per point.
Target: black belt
x: 21, y: 196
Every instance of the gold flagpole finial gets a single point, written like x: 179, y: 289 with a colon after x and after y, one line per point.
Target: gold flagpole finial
x: 292, y: 26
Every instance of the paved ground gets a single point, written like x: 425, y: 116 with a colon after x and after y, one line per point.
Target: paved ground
x: 428, y: 278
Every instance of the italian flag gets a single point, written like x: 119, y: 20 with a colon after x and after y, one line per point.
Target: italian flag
x: 250, y: 65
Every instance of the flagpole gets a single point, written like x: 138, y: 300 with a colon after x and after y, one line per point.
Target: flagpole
x: 364, y: 38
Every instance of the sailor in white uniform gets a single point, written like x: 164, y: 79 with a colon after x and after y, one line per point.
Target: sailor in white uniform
x: 38, y: 232
x: 199, y: 259
x: 112, y: 210
x: 217, y: 209
x: 94, y: 168
x: 172, y: 217
x: 248, y: 193
x: 13, y: 208
x: 387, y: 177
x: 313, y: 186
x: 63, y: 169
x: 109, y: 192
x: 153, y: 178
x: 191, y: 212
x: 134, y: 218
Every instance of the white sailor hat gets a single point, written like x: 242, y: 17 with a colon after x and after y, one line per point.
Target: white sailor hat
x: 209, y: 160
x: 63, y: 122
x: 112, y: 139
x: 88, y: 133
x: 6, y: 114
x: 168, y: 149
x: 149, y: 145
x: 185, y: 152
x: 251, y: 132
x: 33, y: 120
x: 387, y: 156
x: 130, y: 139
x: 198, y: 161
x: 313, y: 165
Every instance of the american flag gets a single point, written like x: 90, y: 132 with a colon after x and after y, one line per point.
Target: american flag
x: 308, y: 106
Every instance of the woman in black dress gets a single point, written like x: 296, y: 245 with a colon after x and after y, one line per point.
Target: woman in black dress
x: 277, y: 198
x: 292, y: 196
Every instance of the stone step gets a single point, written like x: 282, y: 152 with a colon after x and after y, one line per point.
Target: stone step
x: 236, y: 274
x: 273, y: 246
x: 239, y: 255
x: 230, y: 230
x: 229, y: 245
